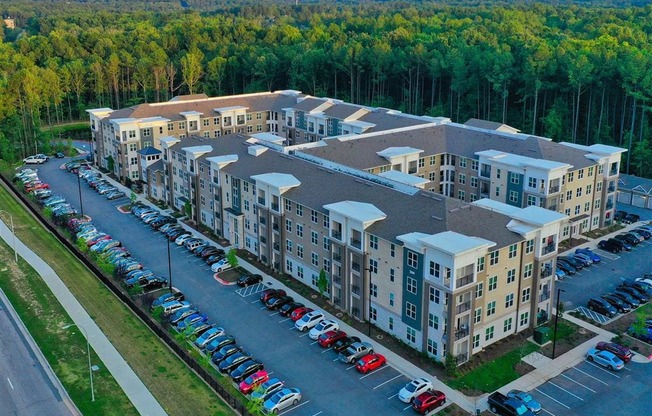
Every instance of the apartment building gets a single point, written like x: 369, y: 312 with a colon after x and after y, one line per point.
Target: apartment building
x: 469, y: 163
x: 443, y: 275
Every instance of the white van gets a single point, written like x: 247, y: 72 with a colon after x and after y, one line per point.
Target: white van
x: 173, y: 306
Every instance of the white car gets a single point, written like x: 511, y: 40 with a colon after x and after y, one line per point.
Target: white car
x: 323, y: 327
x: 281, y: 400
x: 413, y: 389
x: 645, y: 280
x: 309, y: 320
x: 221, y: 266
x: 39, y: 159
x: 182, y: 238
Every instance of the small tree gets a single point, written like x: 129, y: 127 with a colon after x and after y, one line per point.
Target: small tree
x: 187, y: 209
x: 133, y: 197
x: 451, y: 365
x: 322, y: 282
x: 232, y: 258
x: 255, y: 407
x: 110, y: 163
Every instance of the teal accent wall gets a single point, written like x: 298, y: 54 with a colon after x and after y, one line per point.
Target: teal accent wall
x: 517, y: 187
x: 301, y: 120
x: 415, y: 299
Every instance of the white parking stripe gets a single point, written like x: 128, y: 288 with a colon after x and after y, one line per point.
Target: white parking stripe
x: 318, y: 413
x: 391, y: 379
x: 563, y: 389
x: 602, y: 369
x: 577, y: 382
x: 353, y: 366
x: 407, y: 407
x: 275, y: 313
x: 392, y: 396
x: 286, y: 319
x: 553, y: 399
x: 376, y: 371
x: 336, y: 359
x: 295, y: 407
x: 327, y: 349
x: 594, y: 378
x: 551, y: 414
x: 301, y: 336
x: 314, y: 342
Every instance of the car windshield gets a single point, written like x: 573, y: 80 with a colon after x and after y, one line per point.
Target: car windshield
x: 361, y: 362
x: 526, y: 398
x: 412, y: 387
x: 521, y: 410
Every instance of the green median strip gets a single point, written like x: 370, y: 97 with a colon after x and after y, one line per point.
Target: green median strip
x: 176, y: 387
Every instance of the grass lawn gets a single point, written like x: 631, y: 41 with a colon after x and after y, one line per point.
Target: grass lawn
x: 174, y: 385
x: 494, y: 374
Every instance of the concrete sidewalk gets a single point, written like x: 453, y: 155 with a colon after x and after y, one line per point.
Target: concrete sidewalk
x: 136, y: 391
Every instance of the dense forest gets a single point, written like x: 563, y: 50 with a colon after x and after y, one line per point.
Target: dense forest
x: 570, y: 72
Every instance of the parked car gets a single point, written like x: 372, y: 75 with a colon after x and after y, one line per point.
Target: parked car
x: 249, y: 279
x: 426, y: 402
x: 288, y: 308
x: 299, y: 313
x: 224, y: 352
x: 633, y: 292
x: 414, y: 388
x: 245, y: 369
x: 266, y: 294
x: 221, y: 265
x: 620, y: 305
x: 627, y: 298
x: 584, y: 259
x: 370, y: 362
x: 115, y: 195
x: 627, y: 240
x: 322, y: 327
x: 219, y: 343
x: 39, y: 159
x: 618, y: 350
x: 267, y: 389
x: 277, y: 302
x: 208, y: 336
x: 329, y: 338
x: 559, y: 273
x: 233, y: 361
x: 620, y: 215
x: 190, y: 320
x: 634, y: 238
x: 625, y: 245
x: 507, y: 406
x: 344, y: 343
x: 641, y: 287
x: 602, y: 306
x: 309, y: 320
x: 210, y: 251
x: 198, y: 328
x: 253, y: 381
x: 579, y: 265
x: 166, y: 297
x: 173, y: 306
x: 182, y: 238
x: 644, y: 334
x: 282, y: 400
x: 605, y: 359
x: 566, y: 268
x: 181, y: 314
x: 214, y: 259
x: 355, y: 351
x: 527, y: 399
x: 588, y: 252
x: 631, y: 218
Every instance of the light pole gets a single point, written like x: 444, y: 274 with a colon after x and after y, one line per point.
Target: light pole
x: 88, y: 352
x: 169, y: 263
x: 81, y: 202
x: 554, y: 334
x: 13, y: 233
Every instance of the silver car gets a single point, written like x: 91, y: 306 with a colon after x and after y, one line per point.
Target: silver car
x: 282, y: 400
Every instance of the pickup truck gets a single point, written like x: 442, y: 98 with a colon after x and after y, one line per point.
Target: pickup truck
x: 355, y: 351
x: 505, y: 406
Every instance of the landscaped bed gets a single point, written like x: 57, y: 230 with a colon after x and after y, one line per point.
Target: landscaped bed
x: 619, y: 326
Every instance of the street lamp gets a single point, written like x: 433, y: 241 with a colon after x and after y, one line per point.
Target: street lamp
x: 88, y: 352
x: 554, y: 334
x: 81, y: 203
x: 13, y: 232
x: 169, y: 264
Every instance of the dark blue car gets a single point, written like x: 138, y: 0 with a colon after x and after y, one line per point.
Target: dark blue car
x: 588, y: 252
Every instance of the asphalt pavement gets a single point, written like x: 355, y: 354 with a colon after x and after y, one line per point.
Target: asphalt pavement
x: 28, y: 385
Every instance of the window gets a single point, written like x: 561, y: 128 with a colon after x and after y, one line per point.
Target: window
x: 589, y: 188
x: 411, y: 285
x: 511, y: 275
x: 182, y: 125
x: 497, y: 191
x: 288, y: 205
x: 314, y: 258
x: 246, y: 205
x: 391, y: 323
x: 170, y: 126
x: 432, y: 176
x: 526, y: 295
x: 288, y: 246
x: 315, y: 279
x: 373, y: 242
x: 509, y: 300
x: 299, y: 210
x: 498, y: 173
x: 391, y: 299
x: 529, y: 246
x: 422, y: 162
x: 590, y: 171
x: 489, y: 333
x: 327, y: 221
x: 493, y: 283
x: 313, y: 216
x: 527, y: 271
x: 480, y: 265
x: 289, y: 266
x: 531, y: 200
x: 479, y: 290
x: 327, y: 265
x: 513, y: 196
x: 476, y: 340
x: 373, y: 266
x: 373, y: 313
x: 288, y: 225
x: 578, y: 192
x: 477, y: 316
x: 577, y: 209
x: 461, y: 195
x: 435, y: 269
x: 570, y: 177
x: 412, y: 259
x: 525, y: 318
x: 392, y: 250
x: 494, y: 257
x: 462, y: 179
x: 314, y: 237
x: 587, y: 206
x: 514, y: 178
x: 507, y: 325
x: 391, y: 275
x: 513, y: 250
x: 435, y: 295
x: 432, y: 347
x: 474, y: 165
x: 491, y: 308
x: 474, y: 181
x: 598, y: 187
x: 299, y: 251
x: 326, y: 243
x: 433, y: 321
x: 569, y: 195
x: 410, y: 310
x: 374, y: 290
x: 299, y: 230
x: 411, y: 335
x: 580, y: 174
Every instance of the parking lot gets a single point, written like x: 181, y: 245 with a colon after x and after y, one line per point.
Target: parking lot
x: 329, y: 387
x: 589, y: 389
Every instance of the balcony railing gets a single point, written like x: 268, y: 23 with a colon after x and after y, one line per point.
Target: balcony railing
x: 337, y: 280
x: 275, y: 206
x: 546, y: 272
x: 262, y: 220
x: 263, y: 240
x: 356, y: 243
x: 463, y: 281
x: 611, y: 189
x: 355, y: 266
x: 463, y: 307
x: 276, y: 247
x: 355, y: 289
x: 261, y: 201
x: 553, y: 189
x: 337, y: 258
x: 337, y: 235
x: 609, y: 205
x: 461, y: 333
x: 550, y: 248
x: 275, y: 226
x: 461, y: 358
x: 485, y: 173
x: 544, y: 296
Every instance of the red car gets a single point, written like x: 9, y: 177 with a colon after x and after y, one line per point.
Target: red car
x: 425, y: 402
x: 618, y: 350
x: 97, y: 239
x: 253, y: 381
x: 271, y: 293
x: 370, y: 362
x: 298, y: 313
x: 35, y: 186
x: 328, y: 338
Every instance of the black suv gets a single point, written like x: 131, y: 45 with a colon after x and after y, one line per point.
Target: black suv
x: 602, y: 306
x: 609, y: 245
x: 620, y: 215
x: 631, y: 218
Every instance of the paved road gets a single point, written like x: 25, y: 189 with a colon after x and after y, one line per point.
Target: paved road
x: 25, y: 387
x: 329, y: 387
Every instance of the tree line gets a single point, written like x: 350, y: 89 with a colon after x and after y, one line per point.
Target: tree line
x: 572, y: 73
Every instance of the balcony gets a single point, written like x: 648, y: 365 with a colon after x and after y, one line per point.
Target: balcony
x: 461, y: 358
x: 355, y: 267
x: 461, y: 333
x: 356, y: 243
x: 463, y: 307
x: 485, y: 173
x: 275, y: 207
x: 336, y: 235
x: 275, y: 226
x: 609, y: 206
x: 611, y: 189
x: 546, y: 272
x: 263, y: 240
x: 262, y: 221
x: 355, y: 289
x: 550, y: 248
x: 261, y: 201
x: 463, y: 281
x: 277, y: 247
x: 337, y: 280
x: 544, y: 296
x: 553, y: 189
x: 337, y: 258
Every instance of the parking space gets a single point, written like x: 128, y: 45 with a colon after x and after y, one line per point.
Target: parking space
x: 592, y: 315
x: 588, y: 388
